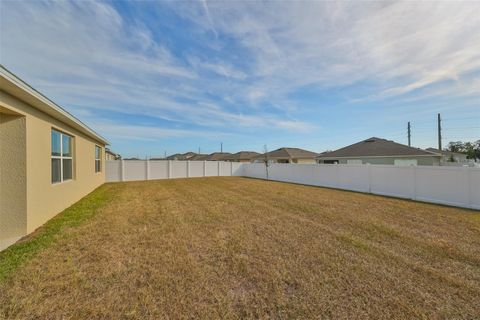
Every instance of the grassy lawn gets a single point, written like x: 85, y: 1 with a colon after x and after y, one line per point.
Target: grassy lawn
x: 244, y: 248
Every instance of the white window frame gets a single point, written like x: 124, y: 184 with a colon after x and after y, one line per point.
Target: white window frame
x: 61, y: 156
x: 99, y: 159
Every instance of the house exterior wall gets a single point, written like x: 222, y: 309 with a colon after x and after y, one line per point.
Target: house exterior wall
x: 109, y: 156
x: 305, y: 161
x: 44, y: 199
x: 13, y: 188
x: 421, y: 161
x: 456, y: 158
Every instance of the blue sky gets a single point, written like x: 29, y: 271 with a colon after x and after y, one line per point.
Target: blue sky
x: 172, y: 76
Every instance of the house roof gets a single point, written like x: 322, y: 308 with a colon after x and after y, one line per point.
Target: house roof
x: 18, y: 88
x: 216, y: 156
x: 182, y: 156
x: 242, y: 155
x: 445, y: 152
x: 199, y: 157
x: 376, y: 147
x: 289, y: 153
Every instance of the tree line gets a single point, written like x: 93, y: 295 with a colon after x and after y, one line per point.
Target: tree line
x: 471, y: 149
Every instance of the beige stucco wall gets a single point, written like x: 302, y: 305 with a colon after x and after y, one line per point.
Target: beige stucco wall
x: 44, y: 199
x: 13, y: 182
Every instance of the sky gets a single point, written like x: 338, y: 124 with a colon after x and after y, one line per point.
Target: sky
x: 157, y: 77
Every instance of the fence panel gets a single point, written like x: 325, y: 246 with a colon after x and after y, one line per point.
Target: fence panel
x: 134, y: 170
x: 158, y: 169
x: 211, y: 168
x: 224, y: 168
x: 447, y: 185
x: 113, y: 171
x: 254, y: 170
x: 178, y: 169
x: 474, y: 183
x: 196, y: 169
x: 237, y: 169
x: 393, y: 181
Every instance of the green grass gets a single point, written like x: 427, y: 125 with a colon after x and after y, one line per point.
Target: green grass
x: 18, y: 254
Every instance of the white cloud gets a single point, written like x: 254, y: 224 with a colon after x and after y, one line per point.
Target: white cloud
x: 145, y: 132
x: 86, y: 54
x: 400, y: 46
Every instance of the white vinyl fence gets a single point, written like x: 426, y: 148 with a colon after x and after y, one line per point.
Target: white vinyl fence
x: 133, y: 170
x: 457, y: 186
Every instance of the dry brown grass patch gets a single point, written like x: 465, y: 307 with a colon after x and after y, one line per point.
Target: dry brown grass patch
x: 245, y: 248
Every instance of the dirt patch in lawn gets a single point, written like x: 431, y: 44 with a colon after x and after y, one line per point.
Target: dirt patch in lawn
x: 245, y: 248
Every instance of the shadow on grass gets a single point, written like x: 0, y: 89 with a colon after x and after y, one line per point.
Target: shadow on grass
x: 29, y: 246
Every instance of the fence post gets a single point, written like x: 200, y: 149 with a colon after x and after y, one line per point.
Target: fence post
x: 231, y: 168
x: 204, y: 168
x: 218, y: 168
x: 122, y: 170
x: 169, y: 169
x: 188, y: 168
x: 147, y: 169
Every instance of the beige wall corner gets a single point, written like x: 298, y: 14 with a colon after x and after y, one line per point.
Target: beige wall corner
x: 13, y: 180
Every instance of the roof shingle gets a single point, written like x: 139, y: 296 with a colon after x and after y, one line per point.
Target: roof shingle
x: 376, y: 147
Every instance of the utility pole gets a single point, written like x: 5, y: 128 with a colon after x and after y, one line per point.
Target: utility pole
x: 439, y: 132
x: 198, y: 150
x: 221, y: 146
x: 165, y: 154
x: 409, y: 134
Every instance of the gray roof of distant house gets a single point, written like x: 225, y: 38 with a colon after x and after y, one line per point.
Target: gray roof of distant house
x: 181, y: 156
x: 242, y: 155
x: 376, y: 147
x: 289, y: 153
x: 216, y: 156
x: 198, y: 157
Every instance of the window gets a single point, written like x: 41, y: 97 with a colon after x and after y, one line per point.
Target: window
x: 98, y: 157
x: 330, y: 161
x: 62, y: 157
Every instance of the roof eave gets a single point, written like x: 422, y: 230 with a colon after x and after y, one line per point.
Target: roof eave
x: 42, y: 103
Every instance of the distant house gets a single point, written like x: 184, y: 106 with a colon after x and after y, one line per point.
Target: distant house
x: 216, y: 156
x: 199, y: 157
x: 110, y: 155
x: 132, y: 159
x: 288, y: 155
x: 242, y: 156
x: 449, y: 156
x: 181, y: 156
x: 380, y: 151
